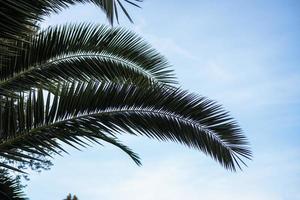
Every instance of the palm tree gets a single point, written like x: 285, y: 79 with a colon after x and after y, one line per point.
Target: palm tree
x: 81, y: 83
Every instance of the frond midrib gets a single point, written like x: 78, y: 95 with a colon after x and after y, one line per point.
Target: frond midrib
x: 115, y: 111
x: 73, y: 56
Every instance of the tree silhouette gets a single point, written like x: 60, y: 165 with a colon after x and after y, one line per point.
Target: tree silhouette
x: 70, y: 197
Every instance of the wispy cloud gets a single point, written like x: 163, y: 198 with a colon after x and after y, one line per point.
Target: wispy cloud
x: 167, y: 45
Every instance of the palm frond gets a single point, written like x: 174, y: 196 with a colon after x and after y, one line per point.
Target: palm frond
x: 20, y: 117
x: 89, y: 110
x: 84, y: 52
x: 17, y: 17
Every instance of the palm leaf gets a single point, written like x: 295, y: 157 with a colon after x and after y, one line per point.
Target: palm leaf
x: 84, y: 52
x: 89, y: 110
x: 17, y: 17
x: 19, y: 116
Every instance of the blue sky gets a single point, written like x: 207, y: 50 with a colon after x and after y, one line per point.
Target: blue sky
x: 245, y: 55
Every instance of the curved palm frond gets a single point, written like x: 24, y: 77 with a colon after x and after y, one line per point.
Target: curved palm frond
x: 9, y: 188
x: 89, y: 110
x: 17, y: 17
x: 85, y: 52
x: 19, y: 118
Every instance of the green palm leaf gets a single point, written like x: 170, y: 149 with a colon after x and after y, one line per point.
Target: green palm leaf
x: 97, y: 109
x: 84, y: 52
x: 17, y: 17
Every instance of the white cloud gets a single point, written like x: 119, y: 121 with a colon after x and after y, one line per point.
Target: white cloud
x: 166, y: 45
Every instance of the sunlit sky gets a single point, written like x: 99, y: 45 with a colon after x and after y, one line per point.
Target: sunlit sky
x: 243, y: 53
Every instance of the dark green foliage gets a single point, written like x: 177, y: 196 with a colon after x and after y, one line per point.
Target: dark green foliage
x: 18, y: 17
x: 10, y: 189
x: 59, y: 54
x: 97, y: 111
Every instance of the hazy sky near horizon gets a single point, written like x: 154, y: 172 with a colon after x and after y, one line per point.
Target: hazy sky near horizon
x: 245, y: 55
